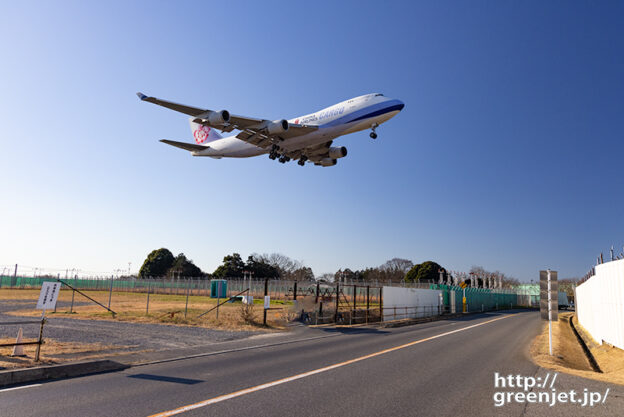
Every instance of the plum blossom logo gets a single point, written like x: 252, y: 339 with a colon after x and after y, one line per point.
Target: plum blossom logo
x: 201, y: 134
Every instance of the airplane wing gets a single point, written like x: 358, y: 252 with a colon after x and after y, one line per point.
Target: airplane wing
x: 253, y: 130
x: 183, y: 145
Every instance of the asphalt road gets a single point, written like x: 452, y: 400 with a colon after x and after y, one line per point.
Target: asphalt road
x: 442, y: 368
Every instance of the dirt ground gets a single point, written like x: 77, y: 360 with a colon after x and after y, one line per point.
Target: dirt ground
x: 132, y: 329
x: 163, y: 309
x: 52, y: 352
x: 568, y: 355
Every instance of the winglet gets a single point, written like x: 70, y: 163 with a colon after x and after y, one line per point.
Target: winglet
x: 141, y: 95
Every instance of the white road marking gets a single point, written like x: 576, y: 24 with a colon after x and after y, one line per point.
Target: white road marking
x: 14, y: 388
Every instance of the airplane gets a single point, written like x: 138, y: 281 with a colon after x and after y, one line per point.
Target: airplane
x: 306, y: 138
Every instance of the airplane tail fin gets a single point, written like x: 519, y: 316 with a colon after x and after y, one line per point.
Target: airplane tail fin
x: 203, y: 134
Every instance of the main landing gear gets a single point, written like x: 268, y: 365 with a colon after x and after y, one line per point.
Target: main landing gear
x: 274, y: 152
x: 373, y: 135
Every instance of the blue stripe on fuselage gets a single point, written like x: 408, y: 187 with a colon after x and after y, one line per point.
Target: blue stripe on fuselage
x: 367, y: 112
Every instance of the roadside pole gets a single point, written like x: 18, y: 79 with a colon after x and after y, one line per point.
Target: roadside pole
x: 548, y: 301
x: 464, y: 304
x: 549, y: 316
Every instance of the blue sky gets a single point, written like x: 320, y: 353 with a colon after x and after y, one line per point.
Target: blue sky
x: 507, y: 154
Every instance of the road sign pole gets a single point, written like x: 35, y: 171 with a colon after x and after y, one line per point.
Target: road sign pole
x: 549, y: 317
x: 40, y: 340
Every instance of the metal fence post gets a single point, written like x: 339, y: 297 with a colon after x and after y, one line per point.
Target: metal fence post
x: 71, y: 308
x: 110, y: 292
x: 266, y: 292
x: 337, y: 301
x: 187, y: 296
x: 148, y: 295
x: 380, y: 304
x: 318, y: 284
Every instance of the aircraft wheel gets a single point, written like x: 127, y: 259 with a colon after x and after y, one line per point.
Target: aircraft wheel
x: 373, y: 135
x: 301, y: 162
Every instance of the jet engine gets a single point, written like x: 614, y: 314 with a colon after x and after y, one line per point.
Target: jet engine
x: 328, y: 162
x: 275, y: 128
x: 337, y: 152
x: 219, y: 117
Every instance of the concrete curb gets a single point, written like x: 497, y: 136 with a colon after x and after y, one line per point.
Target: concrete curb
x: 71, y: 370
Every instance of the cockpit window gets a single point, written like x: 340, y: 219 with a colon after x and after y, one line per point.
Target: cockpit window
x: 376, y: 95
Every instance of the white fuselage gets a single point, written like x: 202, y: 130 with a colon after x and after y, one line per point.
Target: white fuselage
x: 353, y: 115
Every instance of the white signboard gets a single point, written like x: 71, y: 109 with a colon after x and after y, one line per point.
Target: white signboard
x: 267, y: 302
x: 48, y: 296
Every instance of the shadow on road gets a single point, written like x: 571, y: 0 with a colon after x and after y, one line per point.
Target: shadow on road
x: 353, y: 330
x: 163, y: 378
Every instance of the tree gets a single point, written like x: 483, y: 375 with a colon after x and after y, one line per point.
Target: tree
x: 183, y: 267
x: 396, y: 268
x: 284, y: 265
x: 157, y: 263
x: 303, y: 274
x: 259, y: 268
x: 232, y: 267
x: 428, y: 271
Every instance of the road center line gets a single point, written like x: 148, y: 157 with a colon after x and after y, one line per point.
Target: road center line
x: 313, y: 372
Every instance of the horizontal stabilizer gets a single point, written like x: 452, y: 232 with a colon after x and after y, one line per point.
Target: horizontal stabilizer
x: 186, y: 146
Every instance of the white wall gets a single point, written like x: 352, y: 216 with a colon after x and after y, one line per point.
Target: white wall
x: 600, y: 303
x: 426, y: 301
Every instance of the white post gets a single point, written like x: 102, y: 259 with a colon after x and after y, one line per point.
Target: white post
x: 549, y: 318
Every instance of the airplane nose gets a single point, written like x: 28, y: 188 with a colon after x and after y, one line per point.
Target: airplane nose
x: 401, y: 105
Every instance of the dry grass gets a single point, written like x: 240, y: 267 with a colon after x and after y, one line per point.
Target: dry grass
x: 609, y: 358
x: 163, y: 308
x: 53, y: 352
x: 568, y: 355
